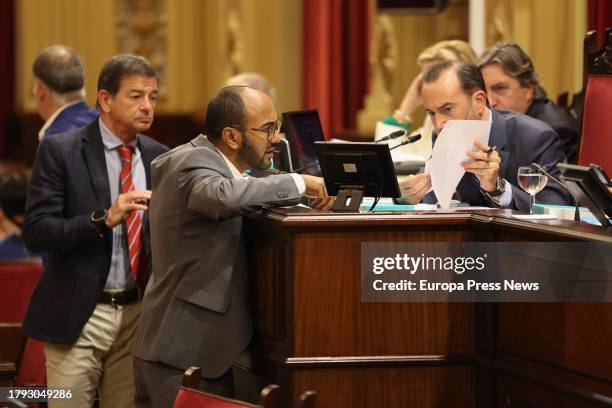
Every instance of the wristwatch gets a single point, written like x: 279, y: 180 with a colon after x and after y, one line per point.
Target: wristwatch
x: 98, y: 219
x: 500, y: 188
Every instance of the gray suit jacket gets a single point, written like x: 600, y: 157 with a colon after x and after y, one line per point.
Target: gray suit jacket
x: 195, y: 310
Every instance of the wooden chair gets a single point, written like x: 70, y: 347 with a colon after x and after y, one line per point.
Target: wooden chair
x: 307, y: 399
x: 17, y: 281
x: 596, y: 141
x: 11, y: 348
x: 190, y: 397
x: 574, y: 109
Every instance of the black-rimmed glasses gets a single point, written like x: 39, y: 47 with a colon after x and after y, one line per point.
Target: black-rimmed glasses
x: 272, y: 130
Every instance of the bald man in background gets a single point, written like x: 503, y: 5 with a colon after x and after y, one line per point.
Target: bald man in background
x: 59, y: 93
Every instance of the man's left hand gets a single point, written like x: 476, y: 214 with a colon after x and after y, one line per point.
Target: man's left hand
x: 315, y: 188
x: 324, y: 203
x: 485, y: 165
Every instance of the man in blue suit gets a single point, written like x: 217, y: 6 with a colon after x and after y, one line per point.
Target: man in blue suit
x: 455, y: 90
x: 59, y: 92
x: 86, y: 211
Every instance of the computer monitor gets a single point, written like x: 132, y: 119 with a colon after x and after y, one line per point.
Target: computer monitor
x: 357, y: 170
x: 302, y: 129
x: 589, y: 184
x: 282, y: 156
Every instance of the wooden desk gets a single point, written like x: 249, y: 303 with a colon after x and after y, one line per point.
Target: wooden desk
x: 313, y: 331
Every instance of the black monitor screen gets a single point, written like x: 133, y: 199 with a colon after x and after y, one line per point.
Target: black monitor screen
x: 590, y: 187
x: 303, y: 129
x: 366, y: 166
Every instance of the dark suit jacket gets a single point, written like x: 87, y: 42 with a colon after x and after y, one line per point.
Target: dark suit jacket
x: 561, y: 122
x: 520, y: 141
x: 73, y: 117
x: 195, y: 309
x: 69, y: 182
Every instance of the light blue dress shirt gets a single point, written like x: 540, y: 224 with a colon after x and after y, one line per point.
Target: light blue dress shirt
x: 119, y: 276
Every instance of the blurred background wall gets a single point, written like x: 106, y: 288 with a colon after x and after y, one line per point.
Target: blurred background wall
x: 317, y: 53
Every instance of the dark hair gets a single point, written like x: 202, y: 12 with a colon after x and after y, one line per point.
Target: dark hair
x: 469, y: 75
x: 225, y: 109
x: 121, y: 66
x: 60, y: 68
x: 13, y: 192
x: 516, y: 63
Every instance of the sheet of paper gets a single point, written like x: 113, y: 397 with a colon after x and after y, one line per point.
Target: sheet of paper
x: 469, y: 208
x: 449, y: 151
x: 534, y: 217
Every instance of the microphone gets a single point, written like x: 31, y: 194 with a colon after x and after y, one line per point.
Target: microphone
x: 541, y: 170
x: 411, y: 139
x: 394, y: 135
x: 309, y: 165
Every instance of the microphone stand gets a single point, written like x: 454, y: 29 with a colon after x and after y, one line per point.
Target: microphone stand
x: 309, y: 165
x: 393, y: 135
x: 543, y: 171
x: 411, y: 139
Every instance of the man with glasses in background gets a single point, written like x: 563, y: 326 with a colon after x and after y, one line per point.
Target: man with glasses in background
x: 195, y: 311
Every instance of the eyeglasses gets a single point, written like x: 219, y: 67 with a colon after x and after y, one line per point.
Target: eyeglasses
x: 271, y: 130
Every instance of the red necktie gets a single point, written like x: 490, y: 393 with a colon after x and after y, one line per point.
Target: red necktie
x: 133, y: 223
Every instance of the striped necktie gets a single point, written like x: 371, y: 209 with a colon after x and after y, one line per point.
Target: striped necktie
x: 133, y: 223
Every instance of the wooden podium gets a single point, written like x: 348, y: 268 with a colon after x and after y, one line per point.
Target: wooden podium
x: 313, y: 332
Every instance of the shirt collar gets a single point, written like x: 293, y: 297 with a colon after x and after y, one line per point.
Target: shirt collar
x: 109, y: 139
x: 49, y: 122
x: 235, y: 172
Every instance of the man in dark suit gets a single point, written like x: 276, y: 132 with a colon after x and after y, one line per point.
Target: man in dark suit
x: 86, y: 211
x: 59, y: 93
x: 195, y: 311
x: 512, y: 84
x: 454, y: 90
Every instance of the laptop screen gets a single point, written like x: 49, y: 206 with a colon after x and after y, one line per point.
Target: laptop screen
x: 302, y: 130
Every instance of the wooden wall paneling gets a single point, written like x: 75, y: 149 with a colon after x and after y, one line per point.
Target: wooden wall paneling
x: 389, y: 387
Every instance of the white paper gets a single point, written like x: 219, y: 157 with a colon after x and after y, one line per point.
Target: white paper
x: 449, y: 151
x: 534, y: 217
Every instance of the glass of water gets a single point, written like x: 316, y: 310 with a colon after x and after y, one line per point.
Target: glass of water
x: 531, y: 181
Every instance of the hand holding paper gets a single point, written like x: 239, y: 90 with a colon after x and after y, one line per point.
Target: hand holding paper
x: 450, y: 152
x: 484, y: 164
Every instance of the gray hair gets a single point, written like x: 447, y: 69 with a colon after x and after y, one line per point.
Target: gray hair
x: 255, y: 81
x: 60, y: 68
x: 515, y: 63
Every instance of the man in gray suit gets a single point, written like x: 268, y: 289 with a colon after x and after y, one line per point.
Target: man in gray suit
x: 455, y: 90
x: 195, y: 310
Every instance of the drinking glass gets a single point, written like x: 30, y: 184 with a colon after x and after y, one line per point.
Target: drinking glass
x: 531, y: 181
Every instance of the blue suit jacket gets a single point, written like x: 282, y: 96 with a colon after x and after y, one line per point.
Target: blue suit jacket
x: 69, y: 182
x: 562, y: 123
x: 73, y: 117
x: 520, y: 141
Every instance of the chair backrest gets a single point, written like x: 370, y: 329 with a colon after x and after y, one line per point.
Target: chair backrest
x: 190, y: 397
x: 11, y: 342
x: 307, y: 399
x: 573, y: 109
x: 17, y: 281
x: 31, y: 369
x: 596, y: 141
